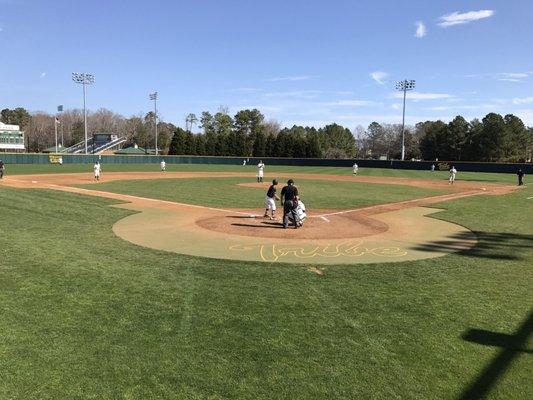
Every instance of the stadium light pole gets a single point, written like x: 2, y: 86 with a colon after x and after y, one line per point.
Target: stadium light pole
x: 153, y: 97
x: 84, y: 80
x: 59, y: 111
x: 404, y: 86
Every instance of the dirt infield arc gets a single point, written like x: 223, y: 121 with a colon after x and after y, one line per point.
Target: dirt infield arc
x: 385, y: 233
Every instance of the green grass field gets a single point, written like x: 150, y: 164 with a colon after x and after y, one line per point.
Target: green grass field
x: 225, y: 192
x: 86, y: 315
x: 68, y: 168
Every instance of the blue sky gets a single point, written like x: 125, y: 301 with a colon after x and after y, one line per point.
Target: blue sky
x: 303, y: 62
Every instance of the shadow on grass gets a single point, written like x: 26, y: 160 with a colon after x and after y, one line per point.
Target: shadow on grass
x: 498, y: 246
x: 511, y: 346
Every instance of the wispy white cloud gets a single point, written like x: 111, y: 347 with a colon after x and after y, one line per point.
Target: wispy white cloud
x: 457, y: 18
x: 351, y: 103
x: 503, y: 76
x: 421, y: 29
x: 463, y: 107
x: 379, y: 76
x: 526, y: 115
x: 290, y: 78
x: 515, y: 75
x: 43, y: 74
x: 423, y: 96
x: 247, y: 90
x: 523, y: 100
x: 303, y: 94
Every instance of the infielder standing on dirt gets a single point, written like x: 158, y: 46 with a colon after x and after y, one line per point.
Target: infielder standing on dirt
x: 453, y: 172
x: 288, y: 193
x: 97, y: 168
x: 270, y: 200
x: 260, y: 171
x: 2, y: 168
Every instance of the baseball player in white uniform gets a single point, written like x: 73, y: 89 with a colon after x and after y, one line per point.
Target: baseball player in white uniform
x: 355, y: 168
x: 163, y: 165
x: 97, y: 168
x: 260, y: 171
x: 453, y: 172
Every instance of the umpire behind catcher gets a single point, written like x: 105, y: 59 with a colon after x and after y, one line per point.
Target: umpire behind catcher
x: 288, y: 193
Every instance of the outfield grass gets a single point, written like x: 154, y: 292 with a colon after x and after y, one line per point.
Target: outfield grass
x: 225, y: 192
x: 86, y: 315
x: 18, y: 169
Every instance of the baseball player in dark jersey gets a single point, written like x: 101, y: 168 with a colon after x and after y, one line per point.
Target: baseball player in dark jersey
x: 2, y: 168
x: 520, y: 174
x: 288, y: 193
x: 270, y: 200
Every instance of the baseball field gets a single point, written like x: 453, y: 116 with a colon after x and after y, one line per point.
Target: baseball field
x: 171, y: 285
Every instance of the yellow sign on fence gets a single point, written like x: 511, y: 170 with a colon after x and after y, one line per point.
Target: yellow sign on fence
x: 56, y: 159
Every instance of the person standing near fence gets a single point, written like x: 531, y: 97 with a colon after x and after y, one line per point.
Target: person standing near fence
x: 520, y: 174
x: 2, y: 168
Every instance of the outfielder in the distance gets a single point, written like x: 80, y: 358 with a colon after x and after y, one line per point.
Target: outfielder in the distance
x: 260, y: 171
x: 2, y: 168
x: 163, y: 165
x: 97, y: 169
x: 270, y: 200
x: 355, y: 168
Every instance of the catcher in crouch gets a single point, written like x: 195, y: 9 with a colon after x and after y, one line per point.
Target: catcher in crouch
x: 299, y: 210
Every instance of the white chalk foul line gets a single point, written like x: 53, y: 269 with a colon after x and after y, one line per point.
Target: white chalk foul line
x: 324, y: 218
x: 439, y: 198
x: 529, y: 198
x: 129, y: 196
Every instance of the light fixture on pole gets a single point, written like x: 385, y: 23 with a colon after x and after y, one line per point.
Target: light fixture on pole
x: 404, y: 86
x: 83, y: 79
x: 59, y: 111
x: 153, y: 97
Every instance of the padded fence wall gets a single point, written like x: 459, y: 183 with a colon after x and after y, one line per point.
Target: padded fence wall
x: 23, y: 158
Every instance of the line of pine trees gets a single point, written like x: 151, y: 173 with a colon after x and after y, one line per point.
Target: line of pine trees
x: 248, y: 135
